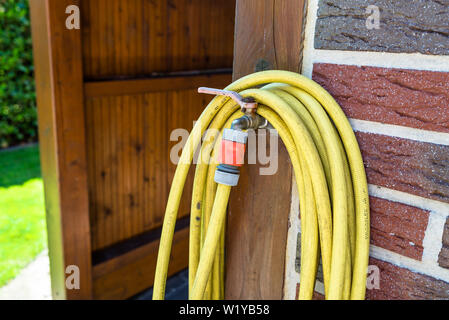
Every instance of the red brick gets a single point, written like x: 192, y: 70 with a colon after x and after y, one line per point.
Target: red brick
x: 398, y: 227
x: 401, y: 284
x: 405, y: 165
x: 443, y: 257
x: 411, y: 98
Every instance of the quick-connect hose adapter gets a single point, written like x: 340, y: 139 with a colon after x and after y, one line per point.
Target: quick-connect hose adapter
x: 231, y: 157
x: 233, y: 143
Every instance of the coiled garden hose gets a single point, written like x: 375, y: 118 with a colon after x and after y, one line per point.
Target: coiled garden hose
x: 329, y: 173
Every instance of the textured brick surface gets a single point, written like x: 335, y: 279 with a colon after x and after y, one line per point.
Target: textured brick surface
x: 418, y: 99
x: 402, y: 284
x: 405, y: 165
x: 398, y: 227
x: 405, y: 26
x: 443, y: 258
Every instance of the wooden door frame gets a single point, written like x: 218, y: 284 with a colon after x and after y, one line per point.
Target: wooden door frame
x: 60, y: 100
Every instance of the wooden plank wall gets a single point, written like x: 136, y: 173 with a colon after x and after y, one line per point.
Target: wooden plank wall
x: 138, y: 64
x: 128, y: 134
x: 128, y: 143
x: 143, y: 61
x: 141, y: 37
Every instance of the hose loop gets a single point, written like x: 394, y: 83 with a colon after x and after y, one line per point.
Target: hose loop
x: 329, y: 174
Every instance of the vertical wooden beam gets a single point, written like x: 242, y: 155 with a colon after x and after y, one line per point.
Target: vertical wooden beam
x: 268, y: 35
x: 60, y: 100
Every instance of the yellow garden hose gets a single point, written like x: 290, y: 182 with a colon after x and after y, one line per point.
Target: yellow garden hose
x: 329, y: 174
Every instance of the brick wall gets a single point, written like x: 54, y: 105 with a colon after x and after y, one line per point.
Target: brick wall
x: 393, y: 84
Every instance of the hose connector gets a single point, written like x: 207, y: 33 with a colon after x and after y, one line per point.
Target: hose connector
x: 233, y: 144
x: 231, y: 157
x: 249, y: 121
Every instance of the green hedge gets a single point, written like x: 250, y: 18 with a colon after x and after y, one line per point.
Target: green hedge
x: 18, y: 119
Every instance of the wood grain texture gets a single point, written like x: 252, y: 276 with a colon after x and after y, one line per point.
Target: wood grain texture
x: 129, y: 166
x: 59, y: 87
x: 141, y: 37
x: 133, y: 272
x: 143, y: 61
x: 159, y: 84
x: 257, y: 232
x: 268, y: 35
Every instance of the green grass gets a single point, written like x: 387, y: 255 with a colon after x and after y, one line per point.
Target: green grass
x: 22, y: 212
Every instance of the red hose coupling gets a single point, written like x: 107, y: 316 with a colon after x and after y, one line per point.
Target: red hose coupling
x: 233, y: 146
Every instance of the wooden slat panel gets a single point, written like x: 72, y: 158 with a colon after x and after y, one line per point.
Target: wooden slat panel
x: 59, y: 87
x: 130, y: 120
x: 119, y: 189
x: 114, y: 176
x: 130, y: 87
x: 269, y: 34
x: 128, y: 143
x: 139, y: 37
x: 133, y: 272
x: 156, y: 165
x: 182, y: 114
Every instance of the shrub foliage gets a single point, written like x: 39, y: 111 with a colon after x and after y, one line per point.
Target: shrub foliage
x: 18, y: 119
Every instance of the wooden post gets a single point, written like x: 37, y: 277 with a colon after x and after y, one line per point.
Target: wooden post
x: 268, y: 35
x: 60, y: 100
